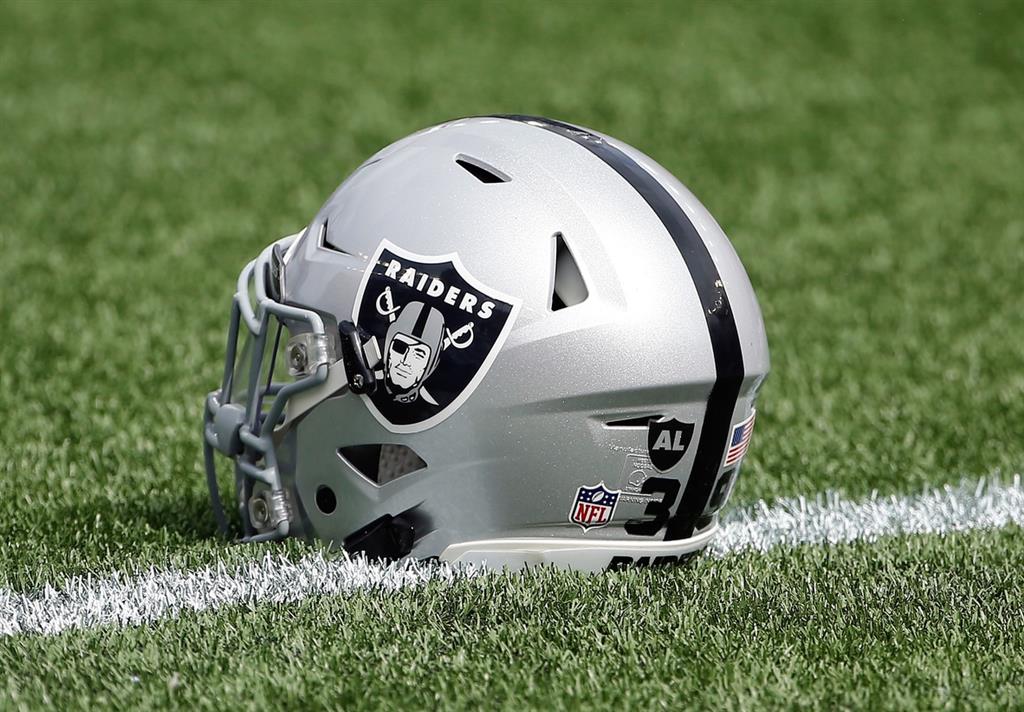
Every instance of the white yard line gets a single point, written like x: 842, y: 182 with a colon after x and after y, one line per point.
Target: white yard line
x: 145, y: 596
x: 832, y: 519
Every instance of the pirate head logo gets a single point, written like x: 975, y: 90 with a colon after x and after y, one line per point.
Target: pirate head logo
x: 436, y: 330
x: 667, y: 441
x: 412, y: 350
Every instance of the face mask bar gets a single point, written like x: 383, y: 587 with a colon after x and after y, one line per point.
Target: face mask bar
x: 241, y: 429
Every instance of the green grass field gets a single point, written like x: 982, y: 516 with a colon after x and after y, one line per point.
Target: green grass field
x: 865, y: 158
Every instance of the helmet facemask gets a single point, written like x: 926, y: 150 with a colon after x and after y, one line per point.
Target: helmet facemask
x: 241, y: 416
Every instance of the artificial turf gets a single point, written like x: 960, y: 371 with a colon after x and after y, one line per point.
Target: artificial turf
x: 865, y: 159
x: 932, y: 622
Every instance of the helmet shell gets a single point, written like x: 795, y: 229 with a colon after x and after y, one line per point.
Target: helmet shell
x: 566, y: 399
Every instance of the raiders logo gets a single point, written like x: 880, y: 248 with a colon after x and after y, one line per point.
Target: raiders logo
x: 667, y: 441
x: 436, y: 331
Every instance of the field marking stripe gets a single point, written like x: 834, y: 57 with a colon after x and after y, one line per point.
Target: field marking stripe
x: 833, y: 519
x: 142, y: 597
x: 138, y: 598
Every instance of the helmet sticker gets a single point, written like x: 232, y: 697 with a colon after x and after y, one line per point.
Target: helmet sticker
x: 636, y: 470
x: 667, y: 441
x: 594, y: 506
x: 739, y: 440
x: 437, y: 330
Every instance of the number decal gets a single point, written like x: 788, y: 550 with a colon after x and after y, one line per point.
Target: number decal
x: 658, y: 510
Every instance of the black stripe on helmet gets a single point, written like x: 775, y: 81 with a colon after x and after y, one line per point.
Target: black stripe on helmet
x: 421, y: 321
x: 725, y: 340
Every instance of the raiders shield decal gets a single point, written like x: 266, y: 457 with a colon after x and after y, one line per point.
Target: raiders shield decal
x: 436, y: 331
x: 667, y: 441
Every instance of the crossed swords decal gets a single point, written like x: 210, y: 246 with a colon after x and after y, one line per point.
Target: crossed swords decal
x: 461, y: 338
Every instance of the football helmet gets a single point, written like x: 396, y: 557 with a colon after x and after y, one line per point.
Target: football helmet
x: 503, y: 340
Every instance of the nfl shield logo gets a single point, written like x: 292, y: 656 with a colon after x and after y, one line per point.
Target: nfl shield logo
x: 594, y: 506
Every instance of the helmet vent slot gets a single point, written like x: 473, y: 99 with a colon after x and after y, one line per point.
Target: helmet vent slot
x: 567, y: 286
x: 640, y: 421
x: 480, y: 170
x: 382, y: 463
x: 327, y: 244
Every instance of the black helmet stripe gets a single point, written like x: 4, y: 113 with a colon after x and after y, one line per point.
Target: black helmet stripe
x: 421, y: 321
x: 725, y: 340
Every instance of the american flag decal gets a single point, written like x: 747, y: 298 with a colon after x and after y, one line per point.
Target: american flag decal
x: 740, y: 440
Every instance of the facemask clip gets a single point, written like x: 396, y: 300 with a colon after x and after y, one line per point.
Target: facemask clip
x: 307, y: 352
x: 361, y: 378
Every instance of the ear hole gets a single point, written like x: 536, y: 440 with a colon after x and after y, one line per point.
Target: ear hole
x: 567, y: 287
x: 481, y: 171
x: 640, y: 421
x: 382, y: 463
x: 326, y: 501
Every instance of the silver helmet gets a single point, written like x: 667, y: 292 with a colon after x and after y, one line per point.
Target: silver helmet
x: 503, y: 340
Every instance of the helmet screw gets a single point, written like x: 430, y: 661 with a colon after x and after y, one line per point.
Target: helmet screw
x: 298, y: 357
x: 259, y: 513
x: 357, y: 380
